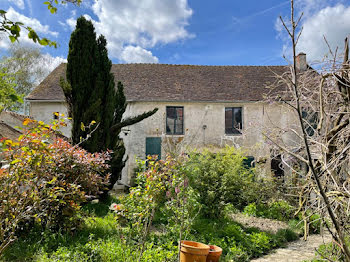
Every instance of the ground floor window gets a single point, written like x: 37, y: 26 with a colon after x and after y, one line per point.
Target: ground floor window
x: 233, y: 120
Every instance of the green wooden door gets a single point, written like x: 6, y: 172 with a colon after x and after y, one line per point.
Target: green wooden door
x: 153, y: 146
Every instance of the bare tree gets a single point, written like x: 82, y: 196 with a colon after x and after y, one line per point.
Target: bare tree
x: 317, y: 146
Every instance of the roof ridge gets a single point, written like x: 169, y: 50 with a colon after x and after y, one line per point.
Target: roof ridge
x: 158, y: 64
x: 15, y: 114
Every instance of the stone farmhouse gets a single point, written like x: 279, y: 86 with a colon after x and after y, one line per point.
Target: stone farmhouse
x: 199, y: 106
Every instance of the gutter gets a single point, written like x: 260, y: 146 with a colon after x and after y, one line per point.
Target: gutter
x: 45, y: 100
x: 197, y: 101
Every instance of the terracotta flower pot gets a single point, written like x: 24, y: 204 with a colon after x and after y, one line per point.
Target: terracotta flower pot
x: 214, y: 254
x: 193, y: 251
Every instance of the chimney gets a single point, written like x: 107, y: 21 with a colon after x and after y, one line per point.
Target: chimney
x: 301, y: 62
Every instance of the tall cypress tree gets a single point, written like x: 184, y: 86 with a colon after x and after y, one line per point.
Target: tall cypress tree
x: 81, y: 74
x: 91, y: 96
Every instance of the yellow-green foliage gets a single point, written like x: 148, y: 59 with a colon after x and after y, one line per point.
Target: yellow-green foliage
x: 221, y: 178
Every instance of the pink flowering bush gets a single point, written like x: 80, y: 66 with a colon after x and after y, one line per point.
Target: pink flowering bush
x: 45, y: 179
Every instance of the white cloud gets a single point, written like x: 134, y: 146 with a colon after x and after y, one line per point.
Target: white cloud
x: 131, y: 27
x: 42, y: 30
x: 320, y: 19
x: 71, y: 22
x: 62, y: 23
x: 31, y: 22
x: 311, y: 7
x: 331, y: 22
x: 143, y: 22
x: 48, y: 63
x: 4, y: 41
x: 136, y: 54
x: 19, y: 3
x: 51, y: 62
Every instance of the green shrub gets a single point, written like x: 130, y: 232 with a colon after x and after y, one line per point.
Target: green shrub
x: 285, y: 235
x: 279, y: 210
x: 251, y: 210
x: 222, y: 178
x: 238, y: 243
x: 260, y: 242
x: 328, y: 252
x: 236, y: 253
x: 315, y: 224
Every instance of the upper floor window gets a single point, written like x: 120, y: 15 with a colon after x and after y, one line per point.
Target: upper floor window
x: 174, y: 120
x: 233, y: 120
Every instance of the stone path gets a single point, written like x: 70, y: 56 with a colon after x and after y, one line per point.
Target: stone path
x: 264, y: 224
x: 297, y: 251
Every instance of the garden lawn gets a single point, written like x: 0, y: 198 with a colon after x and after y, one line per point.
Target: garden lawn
x: 99, y: 240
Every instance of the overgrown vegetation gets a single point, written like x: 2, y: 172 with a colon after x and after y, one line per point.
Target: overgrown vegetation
x: 221, y: 178
x: 147, y: 223
x: 45, y: 181
x: 99, y: 240
x: 317, y: 150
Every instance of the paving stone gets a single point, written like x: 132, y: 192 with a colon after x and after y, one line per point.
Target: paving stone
x: 297, y: 251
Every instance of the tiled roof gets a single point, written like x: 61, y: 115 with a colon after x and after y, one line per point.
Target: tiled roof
x: 8, y: 131
x: 18, y: 116
x: 163, y: 82
x: 49, y: 88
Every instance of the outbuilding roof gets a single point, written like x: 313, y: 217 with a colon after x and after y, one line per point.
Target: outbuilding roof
x: 7, y: 131
x: 164, y: 82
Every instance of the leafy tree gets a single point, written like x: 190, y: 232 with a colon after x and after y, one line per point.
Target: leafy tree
x: 51, y: 4
x: 25, y: 63
x: 14, y: 28
x: 8, y: 94
x: 91, y: 96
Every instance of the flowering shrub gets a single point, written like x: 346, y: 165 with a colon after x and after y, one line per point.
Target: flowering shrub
x: 162, y: 187
x: 45, y: 179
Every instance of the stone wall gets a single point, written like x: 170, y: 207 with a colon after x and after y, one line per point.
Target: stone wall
x: 204, y: 125
x: 44, y: 111
x: 257, y: 117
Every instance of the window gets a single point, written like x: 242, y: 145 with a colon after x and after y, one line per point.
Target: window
x: 310, y: 119
x: 277, y: 166
x: 56, y: 115
x: 233, y: 120
x: 249, y: 162
x: 174, y: 120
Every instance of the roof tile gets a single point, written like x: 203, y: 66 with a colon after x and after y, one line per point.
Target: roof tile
x: 163, y: 82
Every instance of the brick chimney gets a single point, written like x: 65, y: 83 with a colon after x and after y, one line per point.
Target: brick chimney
x: 301, y: 62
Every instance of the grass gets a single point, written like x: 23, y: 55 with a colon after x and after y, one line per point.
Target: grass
x: 98, y: 240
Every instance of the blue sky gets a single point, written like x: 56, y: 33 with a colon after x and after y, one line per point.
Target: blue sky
x: 222, y: 32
